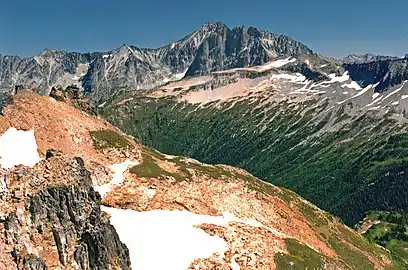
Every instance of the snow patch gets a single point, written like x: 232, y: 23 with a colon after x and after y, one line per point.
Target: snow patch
x: 404, y: 97
x: 162, y: 239
x: 374, y: 108
x: 396, y: 91
x: 117, y: 178
x: 18, y: 147
x: 277, y: 63
x: 293, y: 78
x: 105, y: 56
x: 375, y: 95
x: 322, y: 66
x: 181, y: 75
x: 343, y: 78
x: 376, y: 100
x: 368, y: 87
x: 345, y: 93
x: 395, y: 103
x: 353, y: 85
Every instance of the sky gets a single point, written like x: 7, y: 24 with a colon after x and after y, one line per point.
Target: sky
x: 332, y: 28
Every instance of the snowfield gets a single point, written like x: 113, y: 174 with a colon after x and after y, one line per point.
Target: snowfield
x: 18, y: 147
x: 117, y: 178
x: 162, y: 239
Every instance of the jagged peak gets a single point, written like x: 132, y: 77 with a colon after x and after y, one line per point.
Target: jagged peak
x: 49, y: 52
x: 214, y: 25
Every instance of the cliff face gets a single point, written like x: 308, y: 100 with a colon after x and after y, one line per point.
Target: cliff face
x: 57, y: 226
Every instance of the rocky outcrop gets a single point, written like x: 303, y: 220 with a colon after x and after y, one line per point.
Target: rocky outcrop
x: 366, y: 58
x: 73, y: 95
x: 386, y: 73
x: 240, y: 47
x: 63, y: 226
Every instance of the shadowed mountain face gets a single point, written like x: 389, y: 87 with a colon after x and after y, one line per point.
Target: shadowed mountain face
x: 387, y: 73
x: 368, y: 57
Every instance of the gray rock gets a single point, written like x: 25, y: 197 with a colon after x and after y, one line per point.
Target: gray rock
x: 81, y: 231
x: 210, y: 48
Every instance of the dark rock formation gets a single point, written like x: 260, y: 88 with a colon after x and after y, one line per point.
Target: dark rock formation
x: 71, y: 216
x: 386, y: 73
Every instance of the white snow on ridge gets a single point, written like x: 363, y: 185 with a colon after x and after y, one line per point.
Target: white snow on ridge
x: 368, y: 87
x: 181, y: 75
x: 117, y: 178
x: 375, y: 95
x: 162, y: 239
x: 396, y: 90
x: 342, y: 78
x: 18, y: 147
x: 353, y: 85
x: 277, y: 64
x: 293, y: 78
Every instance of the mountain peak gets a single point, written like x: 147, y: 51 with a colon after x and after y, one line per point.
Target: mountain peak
x: 50, y: 52
x: 214, y: 26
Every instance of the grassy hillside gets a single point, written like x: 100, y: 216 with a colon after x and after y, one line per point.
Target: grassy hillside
x: 388, y: 229
x: 345, y: 164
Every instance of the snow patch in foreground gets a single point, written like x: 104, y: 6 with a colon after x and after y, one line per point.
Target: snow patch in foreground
x: 162, y: 239
x: 117, y: 178
x: 18, y: 147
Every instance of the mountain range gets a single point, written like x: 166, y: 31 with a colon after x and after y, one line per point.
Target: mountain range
x: 212, y: 47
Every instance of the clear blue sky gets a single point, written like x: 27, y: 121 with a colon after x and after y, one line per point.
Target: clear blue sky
x: 334, y: 28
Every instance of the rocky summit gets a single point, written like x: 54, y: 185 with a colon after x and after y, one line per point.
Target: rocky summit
x: 97, y: 199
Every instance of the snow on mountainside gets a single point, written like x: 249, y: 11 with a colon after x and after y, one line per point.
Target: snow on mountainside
x: 210, y: 48
x: 18, y: 147
x: 153, y: 207
x: 311, y: 125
